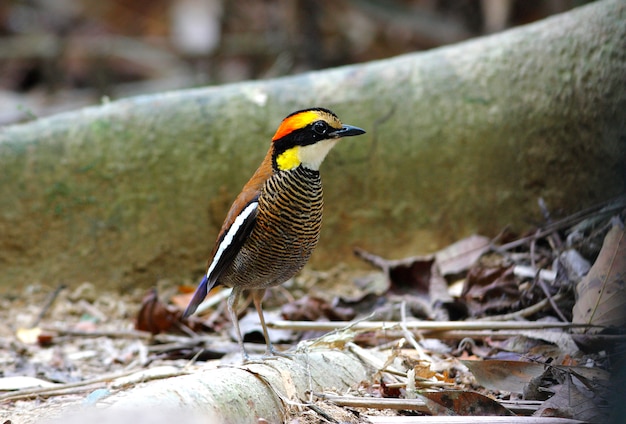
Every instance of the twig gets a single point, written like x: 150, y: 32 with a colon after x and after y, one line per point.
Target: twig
x: 551, y: 299
x: 419, y: 381
x: 554, y: 237
x: 116, y: 334
x: 526, y: 312
x: 407, y: 334
x: 319, y: 411
x: 524, y: 407
x: 61, y: 388
x: 377, y: 403
x: 522, y: 271
x: 500, y: 335
x: 568, y: 221
x: 533, y: 244
x: 374, y: 361
x: 422, y: 325
x: 48, y: 304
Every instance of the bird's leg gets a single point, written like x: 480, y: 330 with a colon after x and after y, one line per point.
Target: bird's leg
x: 257, y: 298
x: 233, y: 300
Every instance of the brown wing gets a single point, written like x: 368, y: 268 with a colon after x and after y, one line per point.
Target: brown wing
x: 249, y: 193
x: 235, y: 231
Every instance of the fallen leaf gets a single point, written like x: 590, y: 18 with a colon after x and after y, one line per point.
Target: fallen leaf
x: 507, y: 376
x: 562, y: 340
x: 601, y: 295
x: 313, y: 308
x: 307, y: 308
x: 388, y: 392
x: 592, y: 382
x: 464, y: 403
x: 576, y: 397
x: 460, y: 256
x: 417, y: 275
x: 45, y: 339
x: 28, y: 335
x: 490, y: 287
x: 154, y: 316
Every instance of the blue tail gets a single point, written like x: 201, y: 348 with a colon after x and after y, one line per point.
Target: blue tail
x: 198, y: 297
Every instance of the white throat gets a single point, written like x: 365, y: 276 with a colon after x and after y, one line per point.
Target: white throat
x: 313, y: 155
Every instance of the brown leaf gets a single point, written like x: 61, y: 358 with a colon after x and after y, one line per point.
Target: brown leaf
x: 490, y: 287
x: 307, y: 308
x: 154, y: 316
x: 576, y: 397
x: 460, y: 256
x: 388, y: 392
x: 508, y: 376
x: 602, y: 293
x: 483, y: 281
x: 313, y: 308
x: 417, y: 275
x: 458, y: 402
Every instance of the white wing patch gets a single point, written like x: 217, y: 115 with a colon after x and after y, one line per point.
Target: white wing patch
x: 230, y: 235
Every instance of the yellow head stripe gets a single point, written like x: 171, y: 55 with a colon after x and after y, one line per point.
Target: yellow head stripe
x: 289, y: 159
x: 295, y: 122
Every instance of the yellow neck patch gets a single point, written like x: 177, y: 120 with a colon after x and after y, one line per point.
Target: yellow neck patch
x: 289, y: 159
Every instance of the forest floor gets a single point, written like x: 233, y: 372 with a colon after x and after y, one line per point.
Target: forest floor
x: 519, y: 326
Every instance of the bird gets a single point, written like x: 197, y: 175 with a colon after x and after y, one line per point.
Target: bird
x: 274, y: 224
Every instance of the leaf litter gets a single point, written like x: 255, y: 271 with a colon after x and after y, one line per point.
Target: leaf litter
x: 430, y: 353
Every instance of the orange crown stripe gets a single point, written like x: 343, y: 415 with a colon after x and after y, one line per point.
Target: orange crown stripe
x: 295, y: 122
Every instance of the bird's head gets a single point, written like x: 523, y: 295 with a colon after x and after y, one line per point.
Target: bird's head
x: 305, y: 137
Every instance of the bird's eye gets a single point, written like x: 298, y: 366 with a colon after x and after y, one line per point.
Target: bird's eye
x: 320, y: 127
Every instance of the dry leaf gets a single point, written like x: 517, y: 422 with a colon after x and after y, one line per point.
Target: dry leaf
x: 459, y: 402
x: 155, y: 316
x: 460, y: 256
x: 507, y: 376
x: 28, y: 335
x: 602, y: 293
x: 576, y: 397
x: 490, y: 286
x: 313, y: 308
x: 416, y: 275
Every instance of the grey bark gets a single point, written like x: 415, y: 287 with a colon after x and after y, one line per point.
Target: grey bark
x: 461, y: 139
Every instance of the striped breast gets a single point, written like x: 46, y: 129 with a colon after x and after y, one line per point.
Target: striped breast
x: 286, y: 231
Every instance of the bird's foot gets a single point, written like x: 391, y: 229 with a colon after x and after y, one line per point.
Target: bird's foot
x: 272, y: 353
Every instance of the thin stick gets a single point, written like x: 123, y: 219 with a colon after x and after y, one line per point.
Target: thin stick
x: 554, y: 237
x: 421, y: 325
x: 48, y: 304
x: 377, y: 403
x: 526, y: 312
x: 319, y: 411
x: 61, y: 388
x: 407, y: 334
x: 520, y: 407
x: 551, y: 299
x: 497, y: 335
x: 568, y: 221
x: 115, y: 334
